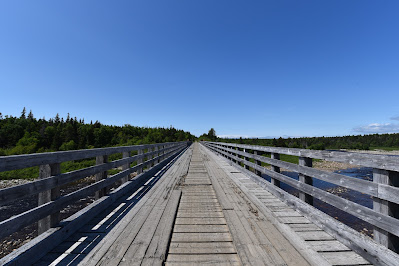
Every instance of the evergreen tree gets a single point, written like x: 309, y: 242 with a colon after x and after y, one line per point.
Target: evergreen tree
x: 23, y: 113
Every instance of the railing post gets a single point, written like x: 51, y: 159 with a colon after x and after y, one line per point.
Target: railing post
x: 257, y: 172
x: 237, y: 162
x: 305, y: 161
x: 125, y: 154
x: 276, y: 169
x: 385, y: 207
x: 45, y: 171
x: 140, y: 161
x: 149, y: 157
x: 163, y: 152
x: 228, y: 152
x: 156, y: 155
x: 102, y: 175
x: 246, y: 159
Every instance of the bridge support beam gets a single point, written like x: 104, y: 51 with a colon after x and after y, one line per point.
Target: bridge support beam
x: 385, y: 207
x: 276, y: 169
x: 304, y: 161
x: 46, y: 171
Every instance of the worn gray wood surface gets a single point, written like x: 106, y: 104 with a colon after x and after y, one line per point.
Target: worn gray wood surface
x: 200, y: 233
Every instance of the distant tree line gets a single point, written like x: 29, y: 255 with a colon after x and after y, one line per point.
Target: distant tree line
x: 211, y: 136
x: 26, y: 134
x: 360, y: 142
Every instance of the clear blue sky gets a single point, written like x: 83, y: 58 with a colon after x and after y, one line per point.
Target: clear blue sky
x: 245, y: 68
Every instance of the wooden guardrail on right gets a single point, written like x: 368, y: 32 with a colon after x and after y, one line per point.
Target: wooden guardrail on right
x: 384, y: 190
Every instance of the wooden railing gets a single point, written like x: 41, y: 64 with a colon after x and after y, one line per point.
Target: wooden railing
x: 47, y: 187
x: 383, y: 189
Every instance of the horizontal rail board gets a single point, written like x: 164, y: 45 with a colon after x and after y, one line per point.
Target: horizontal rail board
x: 379, y: 220
x: 381, y: 191
x: 386, y: 162
x: 18, y: 222
x: 17, y: 192
x: 14, y: 162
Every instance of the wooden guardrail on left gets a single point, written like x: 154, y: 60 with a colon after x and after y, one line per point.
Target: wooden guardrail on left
x: 47, y: 187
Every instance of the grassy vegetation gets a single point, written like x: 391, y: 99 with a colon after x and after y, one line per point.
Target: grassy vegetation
x: 385, y: 148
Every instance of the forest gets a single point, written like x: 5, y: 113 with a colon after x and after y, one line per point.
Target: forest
x: 359, y: 142
x: 26, y: 134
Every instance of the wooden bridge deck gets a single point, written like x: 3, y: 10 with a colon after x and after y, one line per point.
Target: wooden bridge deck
x: 202, y: 211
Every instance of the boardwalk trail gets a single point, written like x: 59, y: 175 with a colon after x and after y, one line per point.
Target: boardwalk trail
x: 200, y: 209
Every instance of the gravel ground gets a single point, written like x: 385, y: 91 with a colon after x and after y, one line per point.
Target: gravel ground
x: 18, y: 239
x: 335, y: 166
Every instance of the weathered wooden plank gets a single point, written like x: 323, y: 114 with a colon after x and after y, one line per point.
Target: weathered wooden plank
x: 328, y: 245
x: 315, y: 235
x: 201, y: 237
x: 202, y: 248
x: 212, y: 214
x: 344, y: 258
x: 153, y: 238
x: 203, y: 228
x: 157, y: 250
x: 304, y: 227
x: 291, y: 213
x: 204, y: 220
x: 189, y: 259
